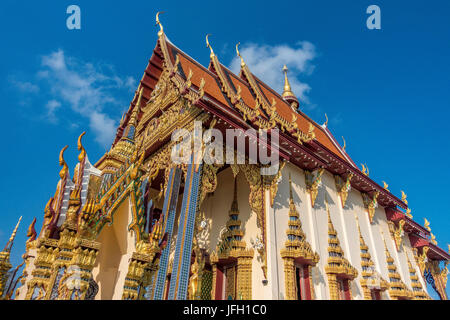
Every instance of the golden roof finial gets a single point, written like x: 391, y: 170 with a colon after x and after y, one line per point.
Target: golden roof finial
x: 404, y: 198
x: 287, y: 92
x: 427, y: 225
x: 209, y: 46
x: 325, y: 124
x: 433, y: 239
x: 365, y: 169
x: 82, y: 154
x: 345, y: 145
x: 11, y: 239
x: 65, y: 168
x: 31, y: 232
x: 239, y: 54
x: 158, y: 23
x: 385, y: 186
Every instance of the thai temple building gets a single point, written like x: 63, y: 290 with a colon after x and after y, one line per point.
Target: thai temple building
x: 137, y: 225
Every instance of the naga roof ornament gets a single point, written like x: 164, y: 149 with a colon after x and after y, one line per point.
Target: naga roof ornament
x: 65, y: 169
x: 82, y: 154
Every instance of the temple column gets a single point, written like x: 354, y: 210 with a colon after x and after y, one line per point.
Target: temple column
x: 169, y: 212
x: 183, y: 250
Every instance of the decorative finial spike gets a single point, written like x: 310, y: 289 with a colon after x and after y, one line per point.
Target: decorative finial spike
x: 63, y: 163
x: 385, y: 186
x: 404, y: 198
x: 158, y: 23
x: 137, y: 108
x: 10, y: 242
x: 82, y: 154
x: 345, y: 144
x: 325, y: 124
x: 239, y: 54
x: 427, y: 225
x: 209, y: 46
x: 287, y: 91
x: 31, y: 232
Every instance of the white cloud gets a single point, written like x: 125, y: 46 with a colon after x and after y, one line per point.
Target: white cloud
x: 51, y: 107
x: 267, y: 61
x: 86, y: 88
x: 25, y: 86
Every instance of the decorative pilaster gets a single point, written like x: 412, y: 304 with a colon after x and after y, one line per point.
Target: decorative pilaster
x: 418, y: 292
x: 397, y: 288
x: 232, y: 249
x: 337, y: 265
x: 370, y: 278
x: 296, y: 249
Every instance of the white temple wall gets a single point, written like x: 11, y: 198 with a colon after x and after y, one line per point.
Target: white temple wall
x: 117, y: 246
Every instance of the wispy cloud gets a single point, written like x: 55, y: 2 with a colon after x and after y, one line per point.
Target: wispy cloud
x: 266, y: 61
x: 86, y: 88
x: 51, y: 107
x: 90, y: 90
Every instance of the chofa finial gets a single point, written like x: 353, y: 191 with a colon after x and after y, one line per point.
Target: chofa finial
x: 325, y: 124
x: 209, y: 46
x: 82, y: 154
x: 239, y: 54
x: 158, y: 23
x: 62, y: 162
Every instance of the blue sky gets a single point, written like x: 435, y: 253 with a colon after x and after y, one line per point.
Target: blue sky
x: 386, y: 91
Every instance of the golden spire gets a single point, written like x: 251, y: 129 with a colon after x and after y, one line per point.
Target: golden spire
x: 158, y: 23
x: 134, y: 114
x: 287, y: 92
x: 11, y: 239
x: 82, y: 154
x: 239, y: 54
x: 65, y: 168
x: 209, y: 46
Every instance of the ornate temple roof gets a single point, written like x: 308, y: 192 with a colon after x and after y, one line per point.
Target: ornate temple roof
x: 244, y: 101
